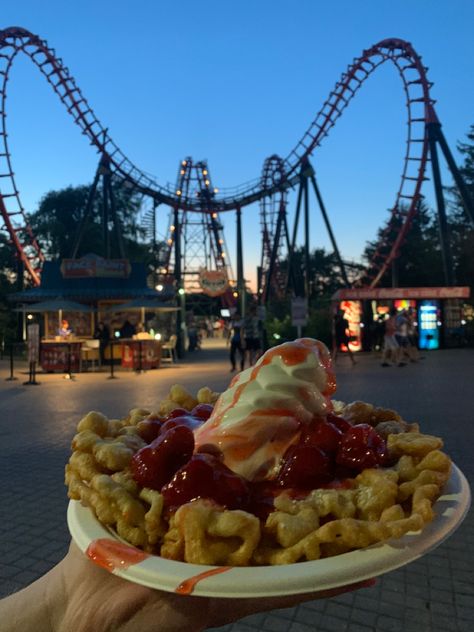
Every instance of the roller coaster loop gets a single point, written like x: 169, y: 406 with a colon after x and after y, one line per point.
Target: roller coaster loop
x: 420, y: 112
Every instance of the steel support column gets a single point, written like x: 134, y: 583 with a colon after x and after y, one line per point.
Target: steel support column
x: 448, y: 267
x: 329, y: 229
x: 295, y: 232
x: 273, y: 256
x: 87, y: 212
x: 307, y: 259
x: 240, y: 264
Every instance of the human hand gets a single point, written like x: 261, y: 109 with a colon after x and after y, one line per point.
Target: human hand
x: 84, y: 597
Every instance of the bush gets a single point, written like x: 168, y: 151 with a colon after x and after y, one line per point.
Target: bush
x: 319, y: 326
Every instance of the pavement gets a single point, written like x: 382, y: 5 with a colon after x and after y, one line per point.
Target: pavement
x: 432, y: 594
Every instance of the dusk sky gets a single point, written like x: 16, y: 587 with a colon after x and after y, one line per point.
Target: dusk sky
x: 233, y: 83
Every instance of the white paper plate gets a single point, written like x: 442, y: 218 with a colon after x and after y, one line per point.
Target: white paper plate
x: 266, y: 581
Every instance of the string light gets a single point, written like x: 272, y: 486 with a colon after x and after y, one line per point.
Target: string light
x: 204, y: 173
x: 207, y: 182
x: 216, y: 190
x: 184, y: 163
x: 214, y: 216
x: 170, y: 241
x: 178, y: 192
x: 172, y: 228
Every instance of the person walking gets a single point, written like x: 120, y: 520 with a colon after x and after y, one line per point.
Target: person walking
x: 401, y: 334
x: 341, y: 336
x: 236, y: 343
x: 412, y: 332
x: 102, y: 334
x: 391, y: 349
x: 251, y: 327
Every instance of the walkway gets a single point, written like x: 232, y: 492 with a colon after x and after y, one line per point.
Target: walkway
x: 433, y: 594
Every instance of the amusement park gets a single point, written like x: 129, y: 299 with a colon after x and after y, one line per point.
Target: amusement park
x: 175, y: 234
x: 121, y: 290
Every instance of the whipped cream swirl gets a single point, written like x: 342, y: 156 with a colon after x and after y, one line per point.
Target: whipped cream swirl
x: 262, y: 412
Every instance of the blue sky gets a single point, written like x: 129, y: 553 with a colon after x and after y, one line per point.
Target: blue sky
x: 234, y: 82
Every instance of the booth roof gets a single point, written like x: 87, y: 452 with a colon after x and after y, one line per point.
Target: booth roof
x: 89, y: 289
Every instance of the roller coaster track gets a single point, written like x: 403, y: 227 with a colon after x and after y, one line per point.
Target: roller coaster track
x: 274, y: 227
x: 420, y: 110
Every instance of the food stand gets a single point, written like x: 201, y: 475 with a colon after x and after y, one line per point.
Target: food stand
x: 87, y: 291
x: 438, y: 312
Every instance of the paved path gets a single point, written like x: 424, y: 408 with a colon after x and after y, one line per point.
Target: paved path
x: 433, y: 594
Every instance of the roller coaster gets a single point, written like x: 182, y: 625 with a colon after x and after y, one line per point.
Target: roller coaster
x: 423, y: 137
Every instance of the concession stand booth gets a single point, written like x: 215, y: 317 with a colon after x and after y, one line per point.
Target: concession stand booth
x: 440, y: 314
x: 93, y: 290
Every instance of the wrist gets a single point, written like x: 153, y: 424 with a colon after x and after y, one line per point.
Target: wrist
x: 33, y: 609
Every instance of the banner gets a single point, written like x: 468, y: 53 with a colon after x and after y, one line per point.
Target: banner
x: 95, y: 266
x: 402, y: 292
x: 213, y: 282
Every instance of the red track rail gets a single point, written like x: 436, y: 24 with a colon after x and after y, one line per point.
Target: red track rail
x: 419, y: 107
x: 420, y: 110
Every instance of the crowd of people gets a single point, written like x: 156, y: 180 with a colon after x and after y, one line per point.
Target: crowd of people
x: 393, y: 335
x: 400, y: 340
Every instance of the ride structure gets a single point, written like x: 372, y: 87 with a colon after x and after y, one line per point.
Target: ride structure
x: 424, y: 137
x: 203, y: 245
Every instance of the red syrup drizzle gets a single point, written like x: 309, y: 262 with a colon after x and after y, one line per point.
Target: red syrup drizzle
x: 113, y: 555
x: 291, y: 354
x: 188, y: 585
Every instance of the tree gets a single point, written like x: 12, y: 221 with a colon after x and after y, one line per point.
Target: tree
x: 55, y: 223
x: 8, y: 282
x: 324, y: 279
x: 419, y: 262
x: 461, y: 228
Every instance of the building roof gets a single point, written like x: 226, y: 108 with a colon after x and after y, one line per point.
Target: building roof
x: 90, y: 289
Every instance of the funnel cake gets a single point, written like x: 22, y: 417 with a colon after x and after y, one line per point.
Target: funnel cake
x: 271, y: 472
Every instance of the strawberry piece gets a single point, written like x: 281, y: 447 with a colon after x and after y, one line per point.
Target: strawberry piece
x: 322, y: 434
x: 202, y: 411
x: 177, y: 412
x: 305, y: 467
x: 149, y: 429
x: 204, y: 476
x: 361, y: 447
x: 155, y: 464
x: 342, y: 424
x: 183, y: 420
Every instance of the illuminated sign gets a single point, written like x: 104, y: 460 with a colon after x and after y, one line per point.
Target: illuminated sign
x: 352, y: 311
x: 428, y: 324
x: 381, y: 293
x: 95, y: 266
x: 213, y: 282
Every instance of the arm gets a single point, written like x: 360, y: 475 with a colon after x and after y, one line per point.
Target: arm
x: 78, y: 595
